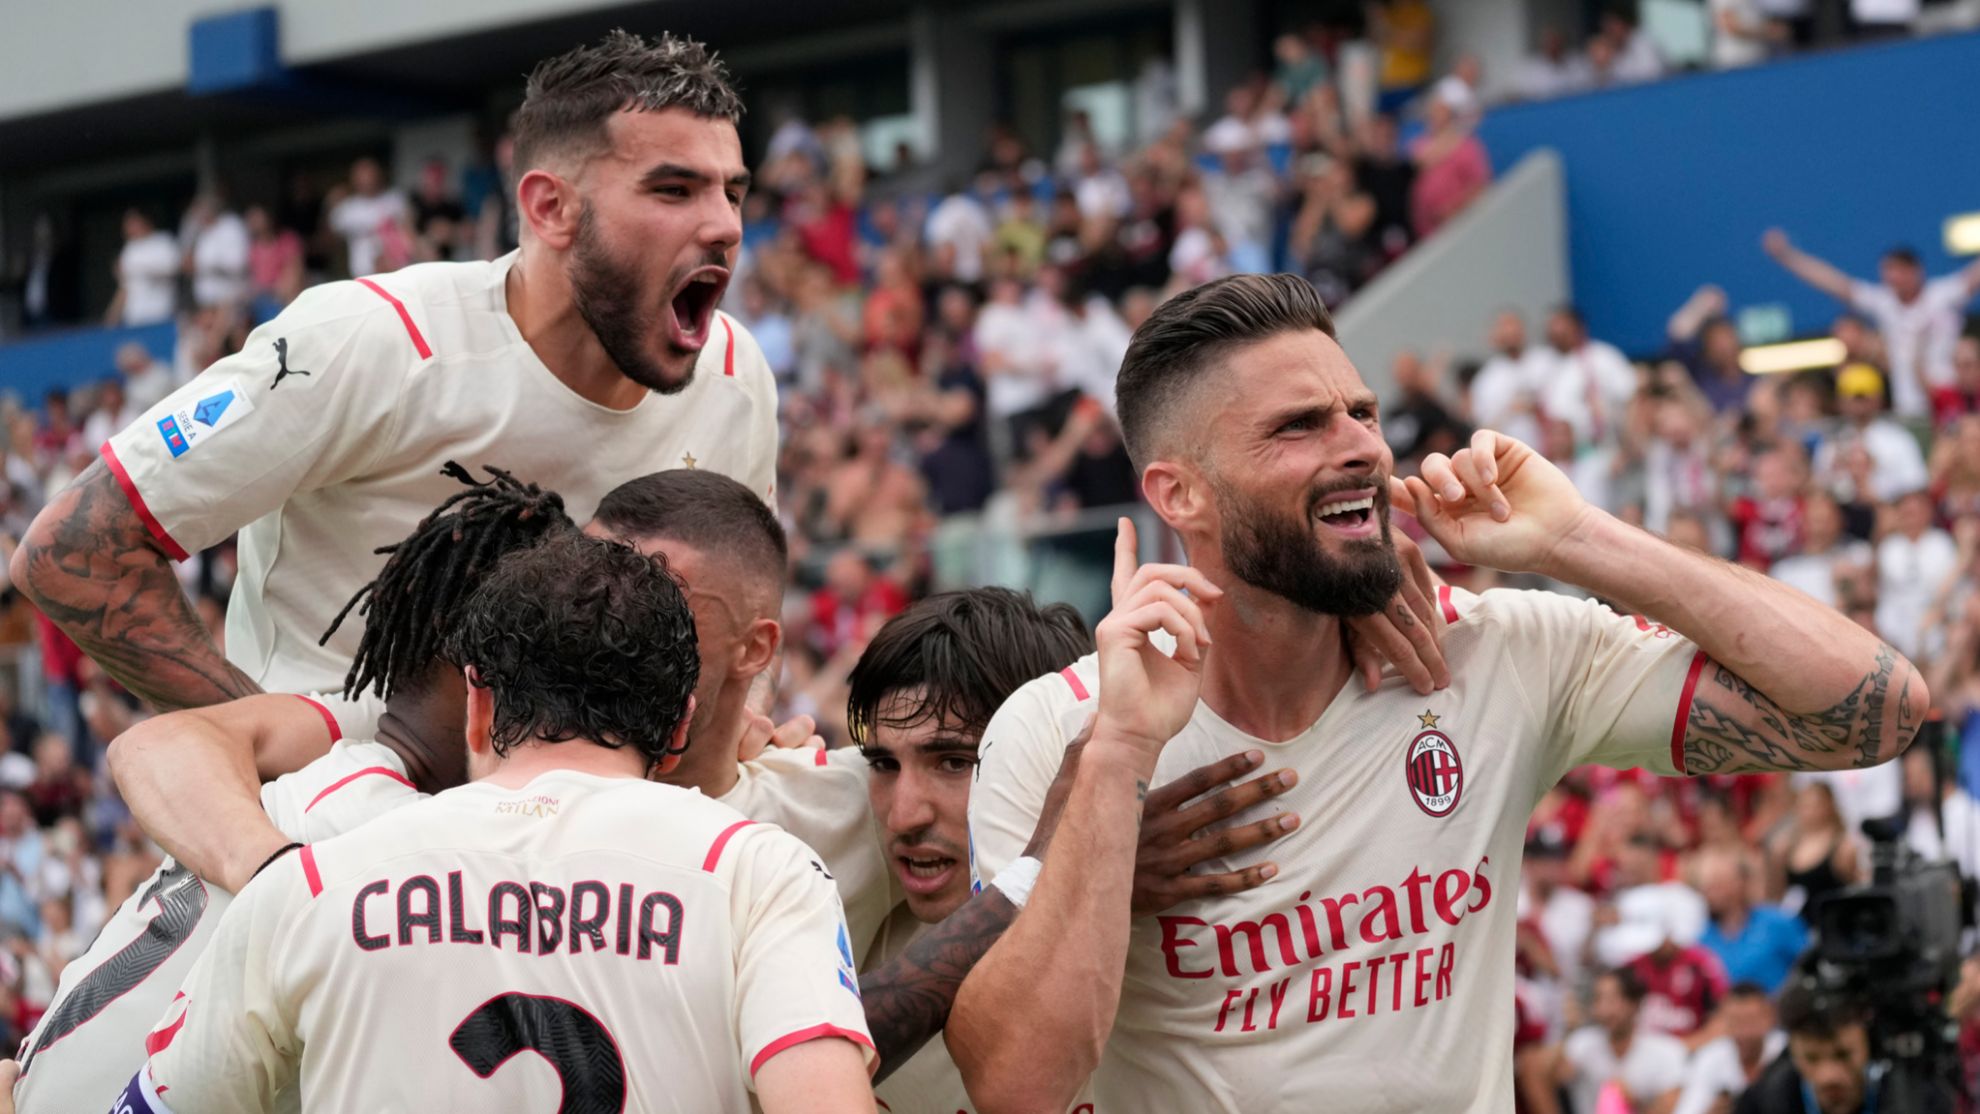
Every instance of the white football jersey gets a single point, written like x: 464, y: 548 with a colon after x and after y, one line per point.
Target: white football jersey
x: 820, y: 797
x: 323, y: 438
x: 1375, y: 972
x: 92, y: 1037
x: 650, y: 947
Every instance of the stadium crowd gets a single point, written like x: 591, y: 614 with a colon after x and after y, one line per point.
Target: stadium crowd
x: 945, y: 357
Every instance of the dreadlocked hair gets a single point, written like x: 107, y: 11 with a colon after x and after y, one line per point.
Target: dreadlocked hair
x: 410, y: 608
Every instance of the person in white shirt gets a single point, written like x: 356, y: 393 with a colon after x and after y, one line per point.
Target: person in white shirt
x: 93, y: 1033
x: 1504, y: 395
x: 147, y: 274
x: 1636, y: 56
x: 1648, y: 1067
x: 112, y: 412
x: 1829, y: 563
x: 1913, y: 560
x: 1723, y: 1069
x: 217, y: 245
x: 374, y: 220
x: 146, y: 379
x: 1587, y: 382
x: 1920, y: 319
x: 1742, y: 34
x: 958, y: 231
x: 1897, y: 464
x: 323, y: 438
x: 1553, y: 70
x: 1387, y: 935
x: 659, y: 950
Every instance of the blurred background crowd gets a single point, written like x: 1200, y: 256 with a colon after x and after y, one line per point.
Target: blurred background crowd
x: 946, y: 343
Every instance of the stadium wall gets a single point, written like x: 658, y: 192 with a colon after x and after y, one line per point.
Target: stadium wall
x: 1671, y: 185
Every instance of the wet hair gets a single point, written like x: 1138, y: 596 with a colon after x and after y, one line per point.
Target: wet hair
x: 581, y: 638
x: 412, y: 603
x: 570, y: 97
x: 1189, y: 335
x: 707, y: 510
x: 967, y: 651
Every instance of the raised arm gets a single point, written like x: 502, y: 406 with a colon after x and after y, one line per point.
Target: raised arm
x: 193, y: 779
x: 91, y: 565
x: 1030, y: 1021
x: 1785, y: 684
x: 1818, y: 273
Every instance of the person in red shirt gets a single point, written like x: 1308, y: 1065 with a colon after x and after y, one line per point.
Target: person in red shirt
x: 1684, y: 984
x: 1769, y: 521
x: 855, y: 600
x: 1962, y: 396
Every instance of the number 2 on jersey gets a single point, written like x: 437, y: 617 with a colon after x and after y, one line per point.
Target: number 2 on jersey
x: 181, y: 898
x: 577, y: 1044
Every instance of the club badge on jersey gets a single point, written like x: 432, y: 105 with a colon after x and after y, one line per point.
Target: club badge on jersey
x: 1433, y: 768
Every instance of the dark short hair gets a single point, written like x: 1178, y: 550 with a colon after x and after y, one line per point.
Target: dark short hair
x: 967, y: 651
x: 1572, y: 313
x: 571, y: 96
x: 1627, y: 982
x: 1903, y: 253
x: 1188, y: 334
x: 581, y: 638
x: 1748, y: 990
x: 707, y: 510
x: 1809, y: 1012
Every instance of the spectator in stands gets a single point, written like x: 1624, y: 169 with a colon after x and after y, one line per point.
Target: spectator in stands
x: 374, y: 221
x: 1243, y: 195
x: 1942, y: 822
x: 1742, y: 33
x: 1564, y: 912
x: 1755, y: 943
x: 147, y: 274
x: 1831, y: 566
x: 1199, y: 253
x: 1636, y: 55
x: 1554, y: 69
x: 1768, y: 521
x: 1452, y: 169
x: 439, y: 221
x: 959, y: 232
x: 1462, y: 90
x: 1504, y: 395
x: 1961, y: 397
x: 112, y: 412
x: 1388, y: 175
x: 1705, y: 340
x: 1896, y: 464
x: 1618, y: 1060
x: 47, y: 276
x: 1419, y: 422
x: 852, y: 604
x: 1405, y: 31
x: 1332, y: 240
x: 1722, y: 1070
x: 146, y: 380
x: 1298, y: 67
x: 1585, y: 381
x: 1913, y: 560
x: 1870, y: 20
x: 275, y: 263
x: 1919, y: 320
x: 1816, y: 853
x: 216, y: 244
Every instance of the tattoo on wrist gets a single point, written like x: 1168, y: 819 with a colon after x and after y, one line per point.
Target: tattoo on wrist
x: 1735, y: 728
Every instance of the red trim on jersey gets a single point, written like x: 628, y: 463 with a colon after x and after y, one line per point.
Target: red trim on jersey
x: 173, y: 549
x: 159, y: 1041
x: 310, y: 873
x: 385, y: 771
x: 721, y: 841
x: 816, y: 1032
x: 412, y: 330
x: 729, y: 356
x: 1684, y: 710
x: 1450, y: 609
x: 329, y: 720
x: 818, y: 757
x: 1078, y: 686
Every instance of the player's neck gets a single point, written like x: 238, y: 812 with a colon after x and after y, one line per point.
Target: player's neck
x: 710, y: 763
x: 540, y: 301
x: 433, y: 766
x: 1273, y: 666
x: 533, y: 758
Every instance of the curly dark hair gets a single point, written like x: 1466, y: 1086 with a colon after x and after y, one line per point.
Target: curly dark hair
x: 409, y: 607
x: 571, y: 96
x: 967, y: 651
x: 581, y: 638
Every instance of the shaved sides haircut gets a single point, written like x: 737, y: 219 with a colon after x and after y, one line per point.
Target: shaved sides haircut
x: 570, y: 97
x: 1187, y: 336
x: 707, y: 510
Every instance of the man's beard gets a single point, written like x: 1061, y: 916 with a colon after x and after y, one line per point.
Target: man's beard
x: 1268, y: 550
x: 607, y: 296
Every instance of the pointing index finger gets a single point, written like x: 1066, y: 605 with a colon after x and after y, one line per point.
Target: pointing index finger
x: 1126, y: 559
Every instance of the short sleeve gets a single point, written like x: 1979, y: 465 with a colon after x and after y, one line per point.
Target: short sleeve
x: 795, y: 979
x: 1617, y: 688
x: 309, y: 400
x: 228, y: 1042
x: 746, y: 361
x: 1019, y: 757
x: 1948, y: 291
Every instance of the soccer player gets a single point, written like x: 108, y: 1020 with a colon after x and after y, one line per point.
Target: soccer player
x: 654, y: 949
x: 592, y: 355
x: 92, y: 1037
x: 1375, y: 971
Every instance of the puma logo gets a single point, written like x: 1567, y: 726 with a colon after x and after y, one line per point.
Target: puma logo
x: 282, y: 368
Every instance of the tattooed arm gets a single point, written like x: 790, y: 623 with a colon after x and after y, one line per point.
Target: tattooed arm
x: 91, y: 566
x: 1789, y: 684
x: 908, y: 999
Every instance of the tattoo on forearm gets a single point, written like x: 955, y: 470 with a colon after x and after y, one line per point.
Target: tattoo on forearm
x: 1735, y: 728
x: 908, y: 998
x: 95, y: 575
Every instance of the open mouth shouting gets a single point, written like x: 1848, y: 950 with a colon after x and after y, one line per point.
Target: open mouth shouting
x: 1351, y: 514
x: 691, y: 309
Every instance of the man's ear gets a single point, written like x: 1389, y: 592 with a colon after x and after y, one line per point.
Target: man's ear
x: 1180, y: 494
x: 549, y: 207
x: 480, y: 720
x: 677, y: 744
x: 758, y: 650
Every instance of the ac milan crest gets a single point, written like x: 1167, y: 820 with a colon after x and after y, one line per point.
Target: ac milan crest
x: 1435, y: 773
